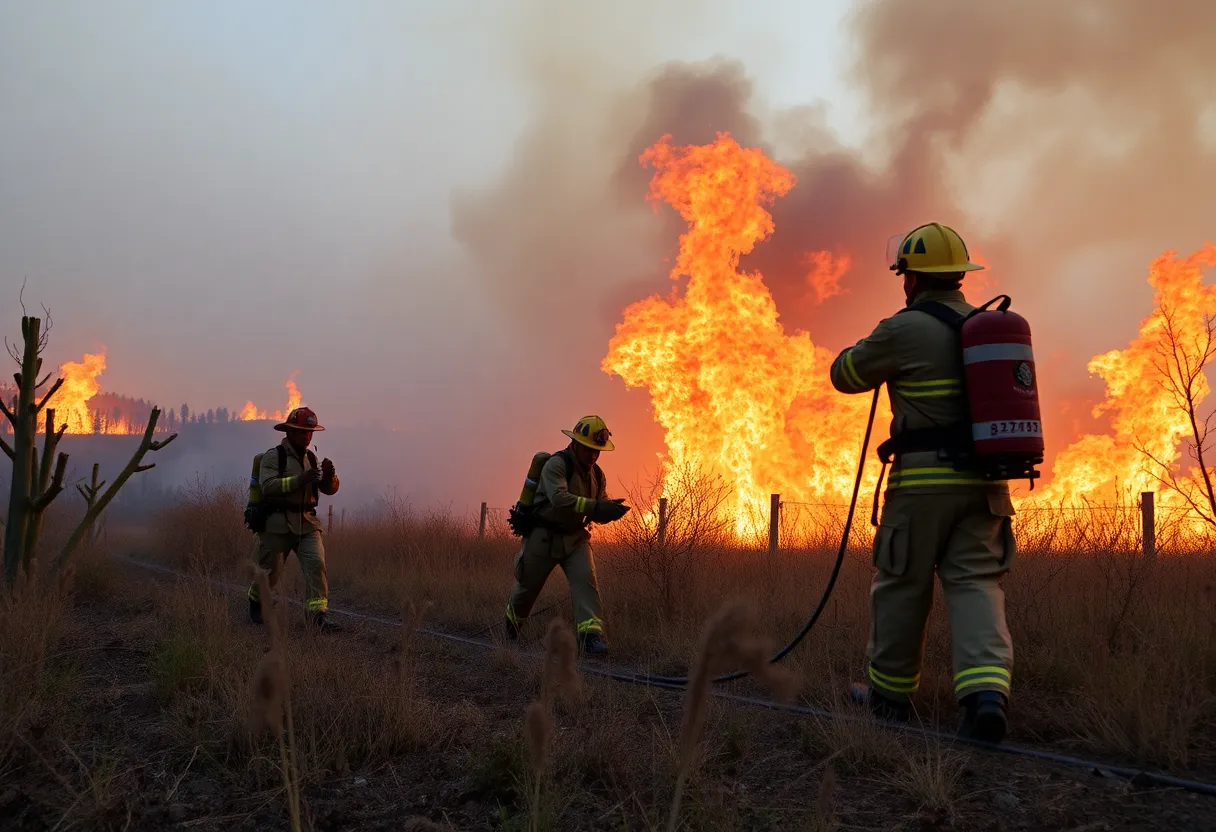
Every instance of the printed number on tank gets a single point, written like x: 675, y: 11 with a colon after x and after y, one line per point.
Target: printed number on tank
x: 1031, y: 428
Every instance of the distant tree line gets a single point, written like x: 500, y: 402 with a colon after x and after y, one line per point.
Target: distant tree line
x: 113, y: 413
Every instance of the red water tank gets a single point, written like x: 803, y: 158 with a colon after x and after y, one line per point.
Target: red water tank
x: 1002, y: 386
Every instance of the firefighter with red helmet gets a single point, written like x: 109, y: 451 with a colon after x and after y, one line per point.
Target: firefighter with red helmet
x: 937, y: 517
x: 570, y: 495
x: 290, y: 481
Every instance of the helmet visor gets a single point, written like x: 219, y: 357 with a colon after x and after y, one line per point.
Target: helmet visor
x: 893, y: 248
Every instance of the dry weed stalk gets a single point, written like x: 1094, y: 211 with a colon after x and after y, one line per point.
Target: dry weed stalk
x: 559, y: 674
x: 272, y: 698
x: 411, y: 619
x: 726, y: 643
x: 824, y: 817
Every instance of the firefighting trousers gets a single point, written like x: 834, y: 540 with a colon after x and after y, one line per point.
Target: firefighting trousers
x: 966, y: 538
x: 271, y: 554
x: 542, y: 550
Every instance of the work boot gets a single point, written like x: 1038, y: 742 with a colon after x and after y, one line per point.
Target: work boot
x: 255, y: 611
x: 512, y: 630
x: 322, y: 622
x: 594, y: 644
x: 984, y: 717
x: 890, y: 710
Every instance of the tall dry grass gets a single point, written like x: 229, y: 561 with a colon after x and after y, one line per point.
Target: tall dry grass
x: 1113, y: 655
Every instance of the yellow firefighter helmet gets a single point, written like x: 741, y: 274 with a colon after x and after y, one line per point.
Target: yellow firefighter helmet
x: 592, y: 432
x: 933, y: 249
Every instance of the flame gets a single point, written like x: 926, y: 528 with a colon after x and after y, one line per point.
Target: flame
x: 1145, y: 417
x: 293, y: 395
x: 250, y: 412
x: 71, y: 401
x: 733, y: 392
x: 826, y: 269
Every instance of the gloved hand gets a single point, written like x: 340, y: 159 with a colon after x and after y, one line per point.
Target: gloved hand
x: 309, y: 477
x: 327, y: 469
x: 606, y: 511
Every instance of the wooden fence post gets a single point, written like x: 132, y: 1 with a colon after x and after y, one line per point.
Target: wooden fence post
x: 1148, y: 524
x: 330, y: 528
x: 662, y: 520
x: 774, y: 519
x: 481, y: 525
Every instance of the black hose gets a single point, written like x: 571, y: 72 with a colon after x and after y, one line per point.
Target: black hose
x: 680, y: 681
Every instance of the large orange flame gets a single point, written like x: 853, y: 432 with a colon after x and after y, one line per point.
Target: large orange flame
x: 80, y: 385
x: 1145, y: 417
x: 734, y: 393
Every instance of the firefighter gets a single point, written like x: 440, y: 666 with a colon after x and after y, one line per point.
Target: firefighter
x: 570, y: 496
x: 290, y: 491
x: 935, y: 518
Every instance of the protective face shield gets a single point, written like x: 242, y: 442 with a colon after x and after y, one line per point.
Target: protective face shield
x: 893, y: 244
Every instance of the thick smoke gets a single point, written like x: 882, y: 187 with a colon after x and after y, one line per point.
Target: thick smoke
x: 1041, y: 131
x: 1069, y: 142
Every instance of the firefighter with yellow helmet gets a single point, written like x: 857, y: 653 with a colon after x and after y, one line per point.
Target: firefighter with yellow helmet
x: 564, y: 498
x: 937, y: 517
x: 290, y: 480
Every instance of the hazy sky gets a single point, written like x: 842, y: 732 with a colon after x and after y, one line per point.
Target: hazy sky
x: 380, y: 194
x: 224, y: 192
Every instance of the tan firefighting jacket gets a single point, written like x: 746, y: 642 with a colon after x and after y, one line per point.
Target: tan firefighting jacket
x: 917, y: 357
x: 294, y: 507
x: 564, y: 498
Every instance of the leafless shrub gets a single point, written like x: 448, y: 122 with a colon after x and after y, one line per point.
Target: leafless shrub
x: 666, y: 554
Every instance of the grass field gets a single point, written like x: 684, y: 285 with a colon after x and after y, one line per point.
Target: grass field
x: 135, y: 701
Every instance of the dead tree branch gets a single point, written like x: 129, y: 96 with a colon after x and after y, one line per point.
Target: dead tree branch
x: 24, y: 419
x: 133, y: 467
x: 1181, y: 363
x: 45, y: 486
x: 37, y: 478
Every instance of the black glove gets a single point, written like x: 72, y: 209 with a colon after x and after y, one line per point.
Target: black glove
x: 606, y: 511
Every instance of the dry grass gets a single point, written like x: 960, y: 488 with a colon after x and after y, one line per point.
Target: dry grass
x: 1095, y: 634
x: 1113, y: 657
x: 31, y: 620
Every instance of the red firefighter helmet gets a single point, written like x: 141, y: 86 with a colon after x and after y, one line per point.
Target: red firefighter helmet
x: 302, y: 418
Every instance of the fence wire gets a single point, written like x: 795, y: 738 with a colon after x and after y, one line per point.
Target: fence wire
x: 1112, y: 528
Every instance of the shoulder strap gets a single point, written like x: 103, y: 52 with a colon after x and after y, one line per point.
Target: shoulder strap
x: 943, y: 313
x: 597, y: 473
x: 567, y: 460
x: 312, y: 458
x: 282, y: 459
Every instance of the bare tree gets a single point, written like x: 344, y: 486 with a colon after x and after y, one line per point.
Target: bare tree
x: 35, y: 484
x: 695, y: 523
x: 1181, y: 362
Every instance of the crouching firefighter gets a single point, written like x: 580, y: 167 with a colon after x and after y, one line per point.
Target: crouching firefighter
x: 562, y: 496
x: 943, y: 512
x: 283, y: 513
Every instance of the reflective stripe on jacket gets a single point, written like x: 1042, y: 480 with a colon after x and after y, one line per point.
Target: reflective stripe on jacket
x: 294, y: 507
x: 563, y: 499
x: 917, y: 357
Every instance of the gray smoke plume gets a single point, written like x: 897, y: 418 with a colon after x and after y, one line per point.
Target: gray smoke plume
x: 1068, y: 142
